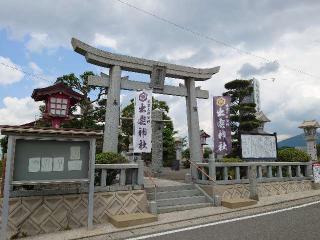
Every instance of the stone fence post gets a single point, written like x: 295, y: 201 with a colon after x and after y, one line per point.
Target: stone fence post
x: 253, y: 184
x: 212, y: 167
x: 140, y: 172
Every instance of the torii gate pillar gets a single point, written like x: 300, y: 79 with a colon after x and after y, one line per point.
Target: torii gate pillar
x: 158, y: 71
x: 111, y: 129
x: 193, y: 125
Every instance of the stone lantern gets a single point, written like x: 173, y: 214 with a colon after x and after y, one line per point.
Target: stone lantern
x: 178, y: 144
x: 58, y: 98
x: 263, y: 120
x: 310, y: 132
x: 203, y: 140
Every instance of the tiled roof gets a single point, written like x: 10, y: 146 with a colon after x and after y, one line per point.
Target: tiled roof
x: 309, y: 123
x: 11, y: 130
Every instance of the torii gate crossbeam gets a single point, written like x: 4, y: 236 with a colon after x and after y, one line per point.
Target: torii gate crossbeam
x: 158, y: 72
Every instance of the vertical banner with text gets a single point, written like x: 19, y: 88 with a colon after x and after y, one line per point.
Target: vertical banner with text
x: 142, y: 122
x: 221, y: 122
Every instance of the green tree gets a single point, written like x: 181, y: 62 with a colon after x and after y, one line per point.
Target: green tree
x: 91, y: 110
x: 318, y: 151
x: 292, y: 155
x: 91, y: 106
x: 169, y: 153
x: 206, y: 152
x: 242, y: 113
x: 4, y: 145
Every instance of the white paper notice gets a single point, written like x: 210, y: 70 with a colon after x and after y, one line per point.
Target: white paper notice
x: 58, y: 164
x: 74, y: 165
x: 34, y: 165
x: 75, y: 152
x: 46, y: 164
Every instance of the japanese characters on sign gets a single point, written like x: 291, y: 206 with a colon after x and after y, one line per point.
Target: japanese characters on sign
x: 259, y: 146
x: 142, y: 122
x: 221, y: 122
x: 316, y: 172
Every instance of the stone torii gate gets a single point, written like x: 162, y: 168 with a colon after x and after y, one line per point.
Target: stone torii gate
x: 158, y: 72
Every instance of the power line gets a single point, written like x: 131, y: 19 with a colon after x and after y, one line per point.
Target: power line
x: 26, y: 73
x: 201, y: 35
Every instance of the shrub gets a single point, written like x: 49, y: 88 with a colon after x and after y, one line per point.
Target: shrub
x: 292, y: 155
x: 186, y: 164
x: 231, y: 160
x: 108, y: 158
x: 1, y: 161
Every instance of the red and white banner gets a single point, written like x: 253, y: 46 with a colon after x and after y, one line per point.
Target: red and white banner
x: 142, y: 122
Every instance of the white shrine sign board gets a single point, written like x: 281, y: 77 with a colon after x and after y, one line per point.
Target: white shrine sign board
x: 259, y: 146
x: 142, y: 122
x: 316, y: 172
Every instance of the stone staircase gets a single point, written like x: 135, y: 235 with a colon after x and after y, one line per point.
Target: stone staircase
x: 178, y: 198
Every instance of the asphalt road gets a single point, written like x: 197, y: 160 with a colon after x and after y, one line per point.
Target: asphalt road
x: 302, y: 223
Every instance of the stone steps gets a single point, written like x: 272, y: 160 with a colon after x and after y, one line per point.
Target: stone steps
x: 178, y: 198
x: 175, y: 194
x: 171, y: 188
x: 182, y: 207
x: 181, y: 201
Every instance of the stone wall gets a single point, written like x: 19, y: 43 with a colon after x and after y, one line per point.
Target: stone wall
x: 44, y: 214
x: 264, y: 189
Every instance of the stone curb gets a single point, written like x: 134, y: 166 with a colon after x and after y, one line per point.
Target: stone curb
x: 192, y: 218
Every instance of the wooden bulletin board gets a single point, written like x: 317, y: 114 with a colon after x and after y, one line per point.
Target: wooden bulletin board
x: 50, y: 160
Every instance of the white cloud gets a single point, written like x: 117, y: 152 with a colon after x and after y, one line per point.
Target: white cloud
x: 8, y: 72
x: 17, y: 111
x: 37, y: 42
x: 180, y: 54
x: 36, y: 69
x: 40, y: 79
x: 102, y: 41
x: 286, y: 31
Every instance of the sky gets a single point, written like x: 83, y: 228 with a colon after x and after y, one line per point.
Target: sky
x: 262, y: 39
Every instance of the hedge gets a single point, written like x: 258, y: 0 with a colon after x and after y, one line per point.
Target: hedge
x: 292, y: 155
x: 108, y: 158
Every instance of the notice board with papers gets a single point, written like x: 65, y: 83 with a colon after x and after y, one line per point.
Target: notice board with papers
x: 46, y: 160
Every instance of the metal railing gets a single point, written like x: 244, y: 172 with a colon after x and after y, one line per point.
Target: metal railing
x: 238, y: 172
x: 202, y: 170
x: 154, y: 184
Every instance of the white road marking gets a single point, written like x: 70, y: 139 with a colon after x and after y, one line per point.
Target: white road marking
x: 224, y: 221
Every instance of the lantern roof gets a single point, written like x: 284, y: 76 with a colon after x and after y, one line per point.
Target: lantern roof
x: 204, y: 134
x: 262, y: 117
x: 41, y: 94
x: 309, y: 124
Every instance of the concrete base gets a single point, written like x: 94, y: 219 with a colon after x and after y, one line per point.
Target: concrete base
x: 315, y: 186
x: 238, y: 203
x: 133, y: 219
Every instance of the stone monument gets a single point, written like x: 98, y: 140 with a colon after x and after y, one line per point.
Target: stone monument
x: 157, y: 141
x: 158, y: 71
x: 310, y: 131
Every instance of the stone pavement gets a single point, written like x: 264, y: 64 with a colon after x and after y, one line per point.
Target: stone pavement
x: 161, y: 182
x: 174, y: 220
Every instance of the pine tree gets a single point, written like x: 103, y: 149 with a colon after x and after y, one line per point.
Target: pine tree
x: 242, y: 112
